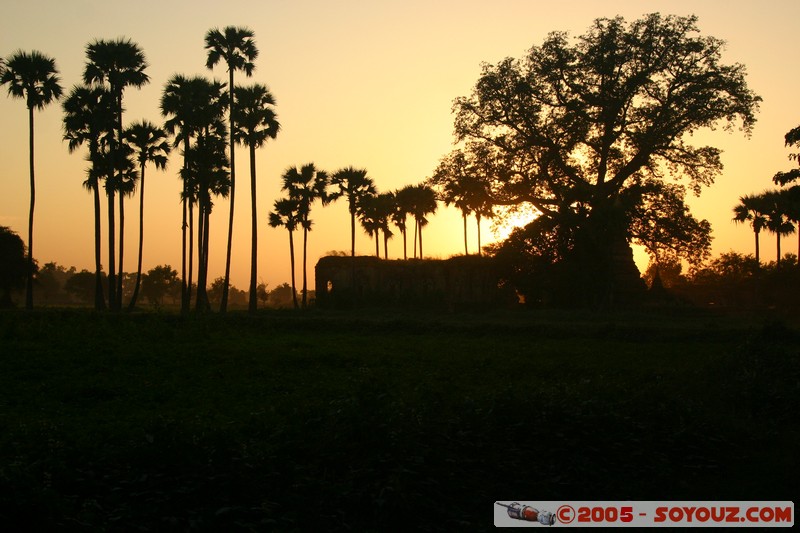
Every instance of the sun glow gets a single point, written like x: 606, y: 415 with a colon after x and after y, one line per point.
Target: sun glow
x: 510, y: 218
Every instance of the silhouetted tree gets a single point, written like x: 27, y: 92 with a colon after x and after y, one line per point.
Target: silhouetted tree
x: 236, y: 47
x: 88, y: 119
x: 422, y: 200
x: 34, y: 77
x: 355, y: 185
x: 158, y: 282
x: 286, y: 213
x: 752, y: 208
x: 368, y: 216
x: 81, y: 286
x: 305, y: 185
x: 255, y: 121
x: 15, y: 267
x: 150, y: 145
x: 792, y: 139
x: 777, y: 220
x: 115, y: 64
x: 404, y: 206
x: 577, y: 122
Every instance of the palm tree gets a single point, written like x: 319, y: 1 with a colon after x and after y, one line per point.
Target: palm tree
x: 34, y: 77
x: 777, y: 220
x: 791, y: 204
x: 752, y: 208
x: 150, y: 145
x: 255, y: 122
x: 305, y: 185
x: 87, y: 116
x: 286, y: 213
x: 236, y: 47
x: 368, y: 215
x: 384, y: 209
x: 208, y: 174
x: 117, y: 64
x: 181, y: 98
x: 404, y: 206
x: 423, y: 200
x: 355, y: 185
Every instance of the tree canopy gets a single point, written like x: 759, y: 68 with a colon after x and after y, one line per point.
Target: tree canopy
x: 595, y: 131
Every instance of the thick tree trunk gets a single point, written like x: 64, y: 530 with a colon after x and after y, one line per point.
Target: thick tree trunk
x: 758, y: 255
x: 185, y: 289
x: 480, y: 252
x: 466, y: 250
x: 352, y: 229
x: 405, y: 251
x: 191, y: 252
x: 778, y: 240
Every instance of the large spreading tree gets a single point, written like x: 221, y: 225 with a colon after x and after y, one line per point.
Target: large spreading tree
x: 579, y: 125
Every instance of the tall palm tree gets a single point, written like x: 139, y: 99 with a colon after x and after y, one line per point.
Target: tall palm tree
x: 150, y: 145
x: 255, y: 121
x: 87, y: 117
x: 115, y: 64
x: 368, y: 215
x: 34, y: 77
x: 384, y: 209
x: 355, y: 185
x: 753, y: 209
x: 286, y: 213
x: 777, y: 220
x: 237, y: 48
x: 305, y: 185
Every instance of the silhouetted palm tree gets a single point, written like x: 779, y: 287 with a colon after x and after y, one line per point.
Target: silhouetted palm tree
x: 423, y: 199
x: 34, y: 77
x: 353, y: 184
x: 117, y: 64
x: 404, y: 206
x: 385, y: 206
x: 305, y: 185
x: 87, y: 119
x: 368, y: 216
x: 777, y: 220
x: 286, y: 213
x: 150, y: 145
x: 255, y: 121
x: 752, y: 208
x: 236, y: 47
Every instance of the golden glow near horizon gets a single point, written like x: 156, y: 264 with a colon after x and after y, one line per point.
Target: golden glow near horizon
x: 368, y: 84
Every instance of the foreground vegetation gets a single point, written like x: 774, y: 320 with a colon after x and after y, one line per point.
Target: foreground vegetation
x: 288, y: 421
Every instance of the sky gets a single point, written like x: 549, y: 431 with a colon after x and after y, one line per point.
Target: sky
x: 367, y: 84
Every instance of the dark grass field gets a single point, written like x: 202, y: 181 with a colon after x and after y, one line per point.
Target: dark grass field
x: 384, y: 421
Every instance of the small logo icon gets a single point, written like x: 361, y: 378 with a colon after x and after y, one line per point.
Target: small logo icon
x: 528, y: 513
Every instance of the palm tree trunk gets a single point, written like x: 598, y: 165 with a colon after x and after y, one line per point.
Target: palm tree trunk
x: 112, y: 247
x: 377, y: 244
x: 185, y: 294
x: 29, y: 281
x: 224, y: 305
x: 291, y: 257
x: 385, y: 245
x: 405, y: 247
x: 352, y: 229
x: 206, y: 233
x: 778, y: 262
x: 758, y: 256
x: 121, y: 246
x: 201, y: 278
x: 466, y: 250
x: 99, y: 299
x: 416, y: 232
x: 305, y: 274
x: 191, y: 250
x: 132, y: 304
x: 420, y: 241
x: 253, y: 304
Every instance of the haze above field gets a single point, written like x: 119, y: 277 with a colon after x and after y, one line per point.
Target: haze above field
x: 363, y: 84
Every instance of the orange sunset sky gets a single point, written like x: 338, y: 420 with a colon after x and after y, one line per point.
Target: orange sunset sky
x: 368, y: 84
